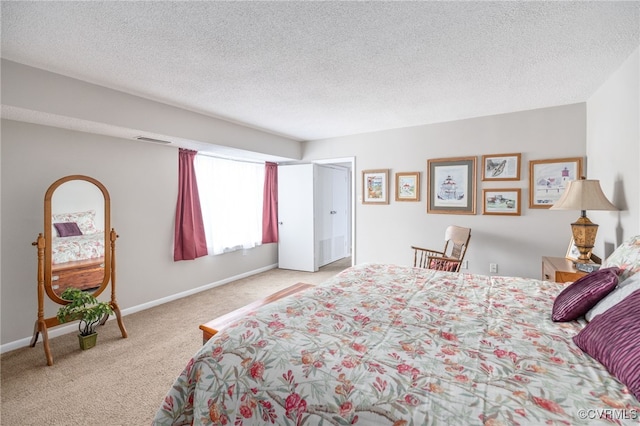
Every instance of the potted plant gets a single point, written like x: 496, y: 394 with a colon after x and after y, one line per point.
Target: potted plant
x: 85, y: 307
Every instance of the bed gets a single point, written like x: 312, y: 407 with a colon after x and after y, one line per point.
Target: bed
x: 75, y: 237
x: 395, y: 345
x: 77, y: 248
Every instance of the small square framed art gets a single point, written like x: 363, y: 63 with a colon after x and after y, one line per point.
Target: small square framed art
x: 408, y: 186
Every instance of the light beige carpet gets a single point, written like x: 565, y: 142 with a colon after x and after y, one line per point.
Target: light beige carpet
x: 123, y: 381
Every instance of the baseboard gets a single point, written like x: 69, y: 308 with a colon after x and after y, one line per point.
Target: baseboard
x: 60, y: 330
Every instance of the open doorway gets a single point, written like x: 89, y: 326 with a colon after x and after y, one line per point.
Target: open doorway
x: 315, y: 213
x: 348, y: 166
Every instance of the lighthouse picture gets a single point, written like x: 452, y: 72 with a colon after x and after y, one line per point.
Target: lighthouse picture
x: 549, y: 179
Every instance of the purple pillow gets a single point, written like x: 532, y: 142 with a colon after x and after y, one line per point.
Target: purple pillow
x: 67, y: 229
x: 576, y: 300
x: 613, y: 338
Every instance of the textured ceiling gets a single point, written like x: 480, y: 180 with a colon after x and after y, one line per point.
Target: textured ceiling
x: 315, y: 70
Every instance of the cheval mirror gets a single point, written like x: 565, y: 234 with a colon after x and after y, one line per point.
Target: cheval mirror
x: 78, y: 248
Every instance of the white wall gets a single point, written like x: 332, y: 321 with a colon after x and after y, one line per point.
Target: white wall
x: 142, y: 181
x: 613, y: 145
x: 384, y: 233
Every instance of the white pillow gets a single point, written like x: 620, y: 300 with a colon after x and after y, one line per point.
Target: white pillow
x: 625, y: 257
x: 85, y: 221
x: 623, y: 289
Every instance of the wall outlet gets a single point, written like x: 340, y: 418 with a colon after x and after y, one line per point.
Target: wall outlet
x: 465, y: 264
x: 493, y: 268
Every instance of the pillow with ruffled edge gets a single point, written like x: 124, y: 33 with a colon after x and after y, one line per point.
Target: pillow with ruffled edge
x: 625, y: 257
x: 576, y: 300
x: 618, y: 294
x: 613, y: 338
x: 67, y: 229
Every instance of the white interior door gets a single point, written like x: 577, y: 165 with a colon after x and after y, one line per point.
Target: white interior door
x: 296, y: 226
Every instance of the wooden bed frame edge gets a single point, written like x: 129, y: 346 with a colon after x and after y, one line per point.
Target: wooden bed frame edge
x: 212, y: 327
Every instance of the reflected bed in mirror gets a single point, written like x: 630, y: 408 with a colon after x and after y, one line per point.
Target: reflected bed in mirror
x: 77, y: 250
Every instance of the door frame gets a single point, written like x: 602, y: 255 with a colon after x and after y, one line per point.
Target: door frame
x: 350, y: 164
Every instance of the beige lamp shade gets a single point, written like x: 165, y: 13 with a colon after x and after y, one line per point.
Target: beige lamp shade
x: 583, y: 194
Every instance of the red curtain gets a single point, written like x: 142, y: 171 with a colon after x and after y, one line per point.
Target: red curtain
x: 189, y: 242
x: 270, y: 204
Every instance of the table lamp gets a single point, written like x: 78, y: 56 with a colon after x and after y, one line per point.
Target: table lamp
x: 583, y: 195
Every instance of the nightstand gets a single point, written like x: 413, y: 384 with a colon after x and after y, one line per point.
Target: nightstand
x: 560, y: 270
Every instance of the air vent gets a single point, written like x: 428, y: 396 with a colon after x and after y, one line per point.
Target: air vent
x: 145, y: 139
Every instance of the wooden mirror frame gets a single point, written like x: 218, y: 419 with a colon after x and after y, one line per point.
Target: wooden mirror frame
x: 44, y: 247
x: 48, y: 235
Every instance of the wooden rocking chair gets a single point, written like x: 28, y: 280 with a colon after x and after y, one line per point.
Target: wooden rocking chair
x: 456, y: 240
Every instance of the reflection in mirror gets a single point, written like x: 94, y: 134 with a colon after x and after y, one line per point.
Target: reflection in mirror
x: 77, y: 237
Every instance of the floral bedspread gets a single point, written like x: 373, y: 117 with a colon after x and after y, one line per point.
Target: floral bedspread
x: 67, y: 249
x: 395, y: 345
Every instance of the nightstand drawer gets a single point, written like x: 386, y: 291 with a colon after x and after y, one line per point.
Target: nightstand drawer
x: 560, y: 270
x: 563, y: 277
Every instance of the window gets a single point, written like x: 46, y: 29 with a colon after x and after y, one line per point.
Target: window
x: 231, y: 194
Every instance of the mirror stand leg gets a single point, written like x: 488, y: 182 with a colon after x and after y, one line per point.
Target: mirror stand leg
x: 45, y: 342
x: 116, y: 309
x: 41, y: 327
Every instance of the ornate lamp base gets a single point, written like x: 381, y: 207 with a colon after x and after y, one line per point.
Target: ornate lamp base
x: 584, y: 236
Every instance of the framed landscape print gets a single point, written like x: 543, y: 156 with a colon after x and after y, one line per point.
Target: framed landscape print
x: 501, y: 167
x: 408, y: 186
x: 548, y: 180
x: 375, y: 186
x: 451, y: 185
x: 501, y: 201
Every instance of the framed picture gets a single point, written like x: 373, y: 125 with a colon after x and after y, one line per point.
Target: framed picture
x: 375, y: 186
x: 501, y: 201
x: 501, y: 167
x: 548, y: 180
x: 408, y: 186
x: 572, y: 251
x: 451, y: 185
